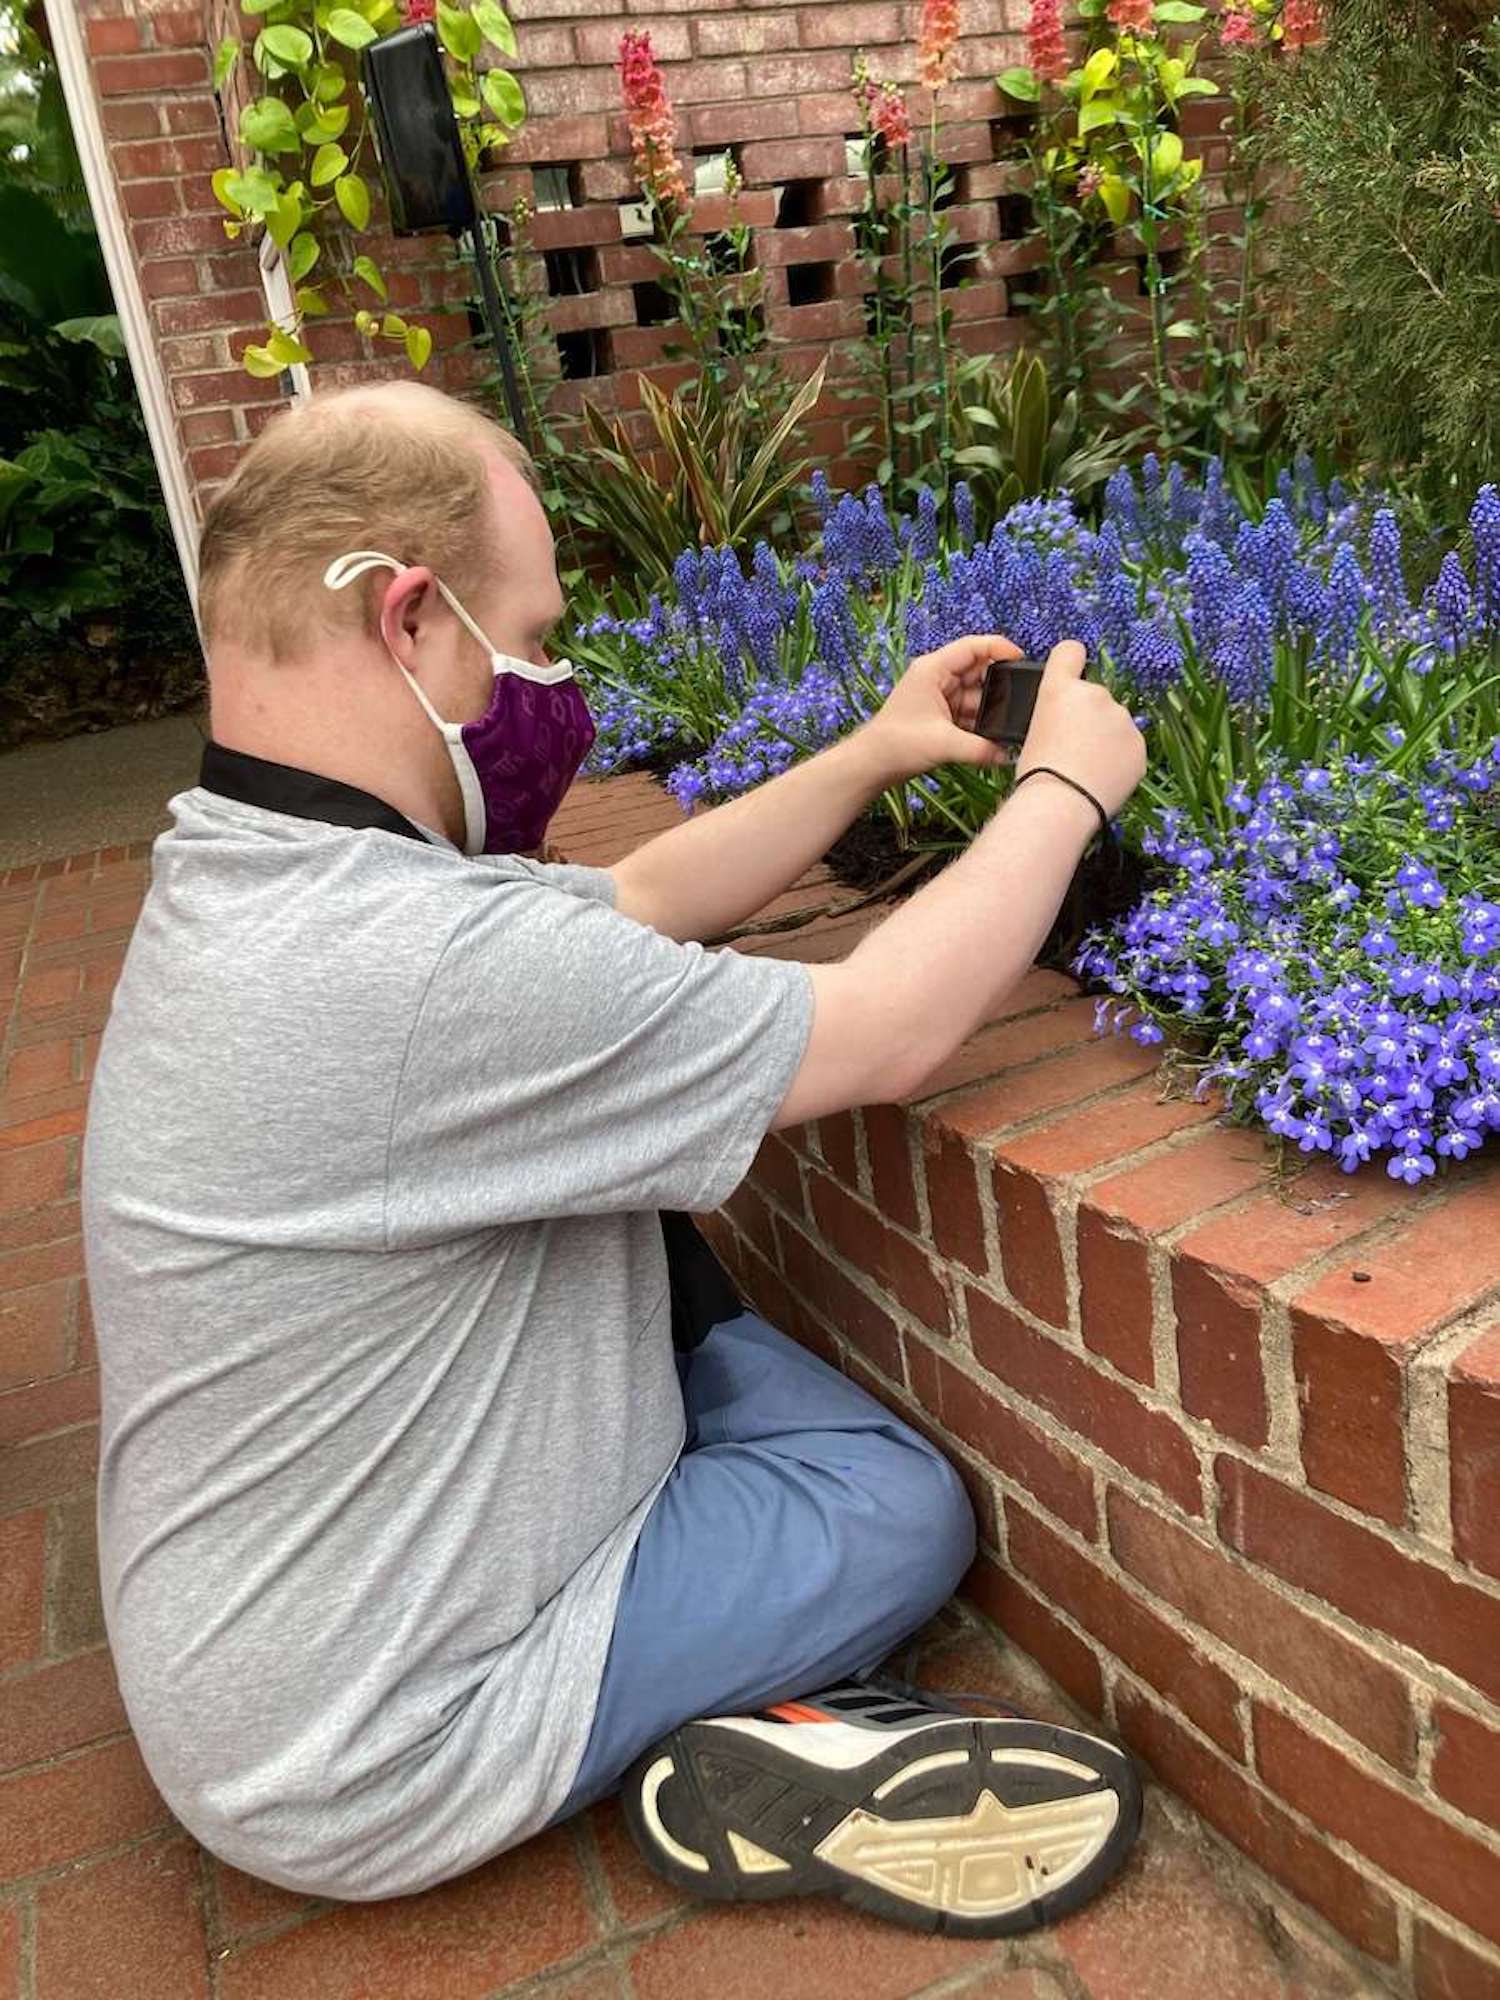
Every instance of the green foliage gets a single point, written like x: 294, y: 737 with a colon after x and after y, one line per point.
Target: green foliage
x: 1012, y: 442
x: 305, y: 142
x: 1388, y: 266
x: 717, y: 489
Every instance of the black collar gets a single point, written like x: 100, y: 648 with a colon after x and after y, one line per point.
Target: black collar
x: 282, y: 788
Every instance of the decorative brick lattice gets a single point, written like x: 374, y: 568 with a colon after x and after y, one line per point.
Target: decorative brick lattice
x: 769, y: 84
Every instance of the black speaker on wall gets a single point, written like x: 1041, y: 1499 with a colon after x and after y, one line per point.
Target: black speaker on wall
x: 426, y: 176
x: 427, y: 180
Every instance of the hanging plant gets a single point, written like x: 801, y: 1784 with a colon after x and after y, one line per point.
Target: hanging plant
x: 306, y: 145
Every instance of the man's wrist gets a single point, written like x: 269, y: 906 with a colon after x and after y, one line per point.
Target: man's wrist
x: 1061, y: 803
x: 866, y: 760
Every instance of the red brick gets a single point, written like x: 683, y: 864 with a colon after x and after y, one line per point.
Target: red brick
x: 953, y: 1197
x: 1398, y: 1834
x: 1108, y: 1611
x: 741, y: 34
x: 42, y: 1066
x: 1444, y: 1969
x: 1220, y: 1371
x: 896, y: 1264
x: 598, y: 42
x: 888, y: 1137
x: 1362, y: 1573
x: 848, y: 1310
x: 748, y: 1951
x: 1030, y: 1255
x: 33, y: 1175
x: 1243, y: 1813
x: 52, y: 1405
x: 133, y: 1924
x: 839, y: 1145
x: 1037, y: 1630
x: 1474, y: 1451
x: 46, y: 1468
x: 242, y: 1903
x: 775, y: 1169
x: 1083, y: 1140
x: 67, y: 1810
x: 1144, y: 1440
x: 131, y: 121
x: 731, y: 124
x: 114, y: 38
x: 1466, y: 1766
x: 1043, y: 1086
x: 435, y: 1946
x: 1115, y: 1945
x: 34, y: 1329
x: 124, y: 76
x: 1351, y: 1341
x: 752, y: 1219
x: 150, y: 198
x: 60, y: 1706
x: 175, y: 278
x: 1018, y: 1450
x: 178, y: 27
x: 22, y: 1557
x: 634, y: 1890
x: 1269, y: 1236
x: 1114, y: 1296
x: 1202, y: 1581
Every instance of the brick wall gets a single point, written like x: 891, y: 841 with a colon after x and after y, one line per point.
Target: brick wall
x: 770, y: 82
x: 1234, y: 1448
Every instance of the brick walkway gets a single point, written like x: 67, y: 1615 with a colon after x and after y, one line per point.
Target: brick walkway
x: 102, y: 1897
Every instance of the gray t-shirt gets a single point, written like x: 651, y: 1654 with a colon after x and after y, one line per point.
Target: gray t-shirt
x: 374, y: 1152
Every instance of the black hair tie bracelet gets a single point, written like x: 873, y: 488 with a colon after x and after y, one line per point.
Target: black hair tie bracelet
x: 1046, y: 770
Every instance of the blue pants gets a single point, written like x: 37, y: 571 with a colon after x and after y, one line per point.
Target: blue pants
x: 802, y: 1535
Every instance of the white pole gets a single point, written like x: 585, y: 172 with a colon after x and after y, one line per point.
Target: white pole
x: 124, y: 278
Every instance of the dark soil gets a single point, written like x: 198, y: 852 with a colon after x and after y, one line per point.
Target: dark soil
x: 1109, y: 882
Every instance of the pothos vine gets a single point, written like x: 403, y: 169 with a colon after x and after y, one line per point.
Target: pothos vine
x: 306, y: 146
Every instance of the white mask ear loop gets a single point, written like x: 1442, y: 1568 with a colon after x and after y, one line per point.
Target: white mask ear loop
x: 344, y: 570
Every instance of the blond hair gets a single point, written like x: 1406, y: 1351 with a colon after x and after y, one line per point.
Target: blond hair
x: 395, y: 466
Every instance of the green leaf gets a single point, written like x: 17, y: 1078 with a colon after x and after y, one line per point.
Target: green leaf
x: 267, y: 125
x: 504, y: 96
x: 465, y: 106
x: 458, y: 32
x: 221, y: 183
x: 366, y: 269
x: 286, y: 349
x: 1197, y: 86
x: 352, y: 29
x: 1178, y: 10
x: 301, y: 255
x: 255, y: 191
x: 226, y: 55
x: 284, y: 220
x: 328, y: 163
x: 260, y: 361
x: 494, y: 25
x: 258, y: 6
x: 353, y: 198
x: 1102, y: 111
x: 1115, y: 195
x: 1166, y: 154
x: 101, y: 330
x: 289, y: 45
x: 1098, y: 70
x: 328, y: 83
x: 1183, y: 329
x: 393, y: 326
x: 1020, y: 83
x: 310, y: 302
x: 418, y: 346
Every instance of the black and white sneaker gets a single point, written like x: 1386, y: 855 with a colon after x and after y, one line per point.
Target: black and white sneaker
x: 913, y: 1808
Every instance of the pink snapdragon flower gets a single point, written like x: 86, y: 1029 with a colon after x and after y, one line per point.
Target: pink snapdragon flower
x: 1046, y: 50
x: 653, y: 128
x: 939, y: 32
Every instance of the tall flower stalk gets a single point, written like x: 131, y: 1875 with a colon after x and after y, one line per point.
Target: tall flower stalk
x: 652, y: 123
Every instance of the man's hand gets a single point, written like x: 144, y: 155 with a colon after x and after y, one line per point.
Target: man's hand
x: 1079, y: 728
x: 927, y: 719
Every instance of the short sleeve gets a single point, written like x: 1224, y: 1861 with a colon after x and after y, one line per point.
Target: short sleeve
x: 566, y: 1060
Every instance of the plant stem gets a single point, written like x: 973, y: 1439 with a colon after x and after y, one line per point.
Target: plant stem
x: 945, y: 414
x: 909, y: 289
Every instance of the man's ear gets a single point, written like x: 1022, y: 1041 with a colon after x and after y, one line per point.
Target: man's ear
x: 406, y: 598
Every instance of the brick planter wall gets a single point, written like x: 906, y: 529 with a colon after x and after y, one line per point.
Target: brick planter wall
x: 1235, y: 1448
x: 770, y: 83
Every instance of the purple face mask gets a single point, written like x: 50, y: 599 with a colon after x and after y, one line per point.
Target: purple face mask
x: 514, y: 764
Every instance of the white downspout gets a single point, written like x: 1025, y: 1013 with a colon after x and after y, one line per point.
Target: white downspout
x: 145, y: 363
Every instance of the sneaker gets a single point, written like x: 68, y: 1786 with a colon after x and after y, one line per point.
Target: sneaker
x: 902, y: 1804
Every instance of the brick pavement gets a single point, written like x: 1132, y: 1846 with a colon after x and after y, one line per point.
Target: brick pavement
x: 103, y: 1897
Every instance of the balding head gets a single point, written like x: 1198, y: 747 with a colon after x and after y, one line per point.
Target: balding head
x: 395, y: 466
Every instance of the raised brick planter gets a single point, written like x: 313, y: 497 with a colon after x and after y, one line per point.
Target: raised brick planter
x: 1234, y: 1447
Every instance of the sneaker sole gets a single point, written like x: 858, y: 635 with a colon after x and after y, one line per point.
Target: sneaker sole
x: 976, y: 1829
